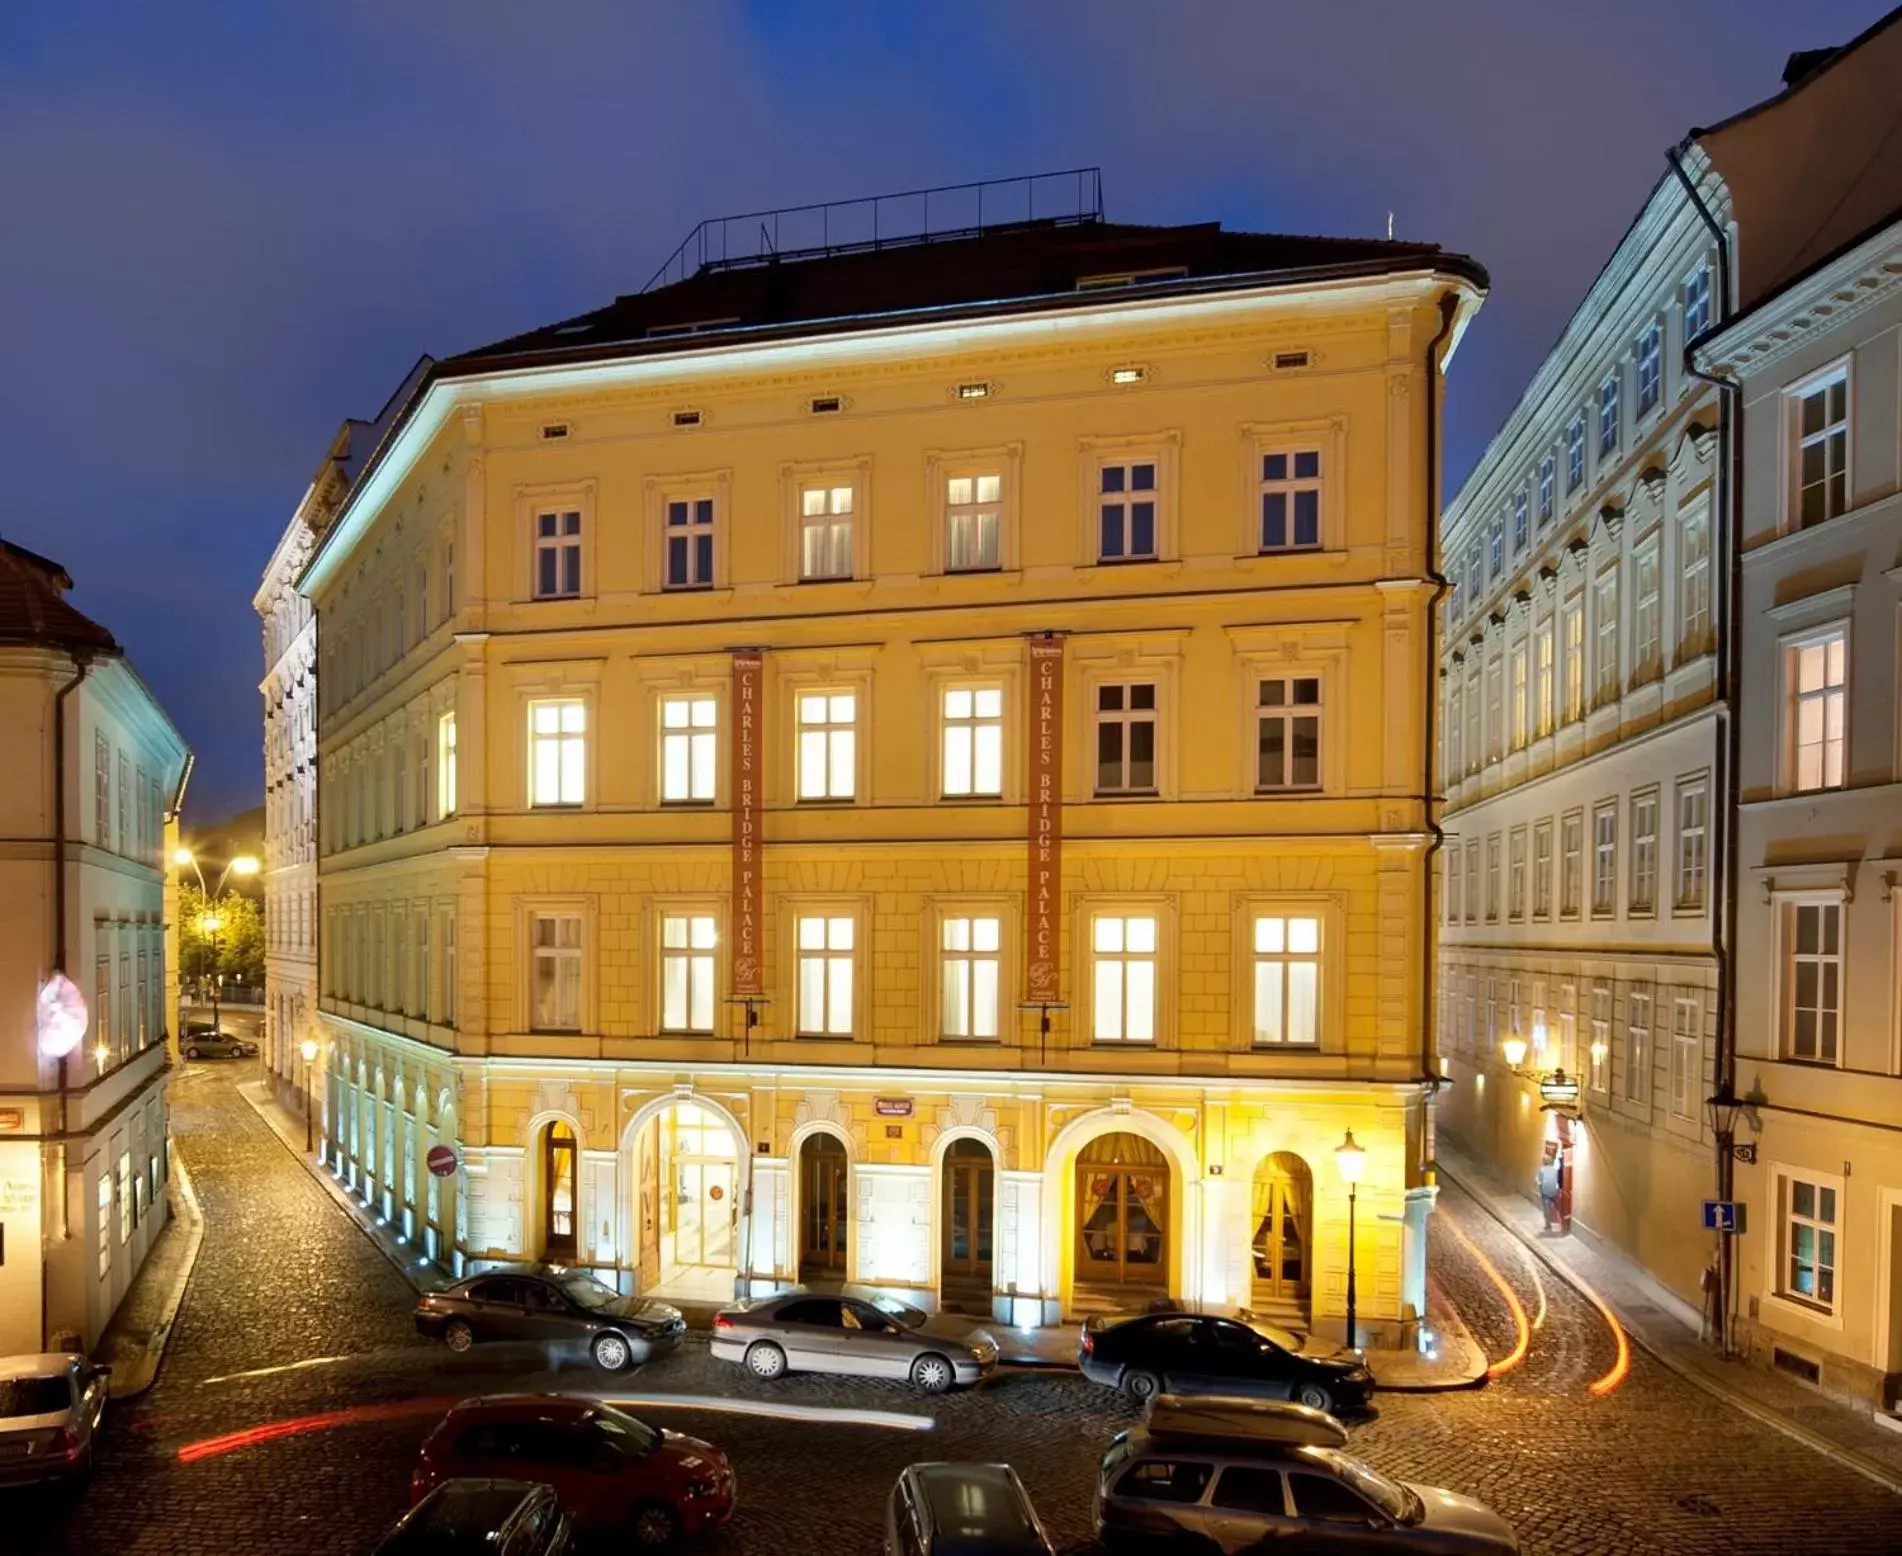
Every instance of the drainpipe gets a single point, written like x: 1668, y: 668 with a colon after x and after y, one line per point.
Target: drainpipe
x: 1725, y: 533
x: 1436, y: 836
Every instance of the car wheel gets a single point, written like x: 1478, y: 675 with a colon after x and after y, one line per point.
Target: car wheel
x: 1315, y: 1397
x: 612, y: 1353
x: 933, y: 1373
x: 1140, y: 1387
x: 191, y: 1053
x: 458, y: 1336
x: 654, y: 1525
x: 765, y: 1360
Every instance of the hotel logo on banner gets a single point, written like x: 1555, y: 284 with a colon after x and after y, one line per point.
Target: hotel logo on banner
x: 1045, y: 882
x: 748, y: 712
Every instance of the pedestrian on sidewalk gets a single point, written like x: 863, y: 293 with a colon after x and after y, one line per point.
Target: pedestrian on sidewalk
x: 1549, y: 1191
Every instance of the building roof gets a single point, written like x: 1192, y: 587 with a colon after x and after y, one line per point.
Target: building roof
x: 34, y: 608
x: 1016, y: 268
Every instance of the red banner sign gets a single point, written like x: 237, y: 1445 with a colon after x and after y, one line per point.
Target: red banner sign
x: 748, y: 713
x: 1045, y: 885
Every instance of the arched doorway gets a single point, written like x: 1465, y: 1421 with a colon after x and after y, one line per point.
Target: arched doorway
x: 1281, y: 1215
x: 824, y: 1214
x: 1122, y: 1223
x: 558, y: 1192
x: 687, y: 1203
x: 965, y: 1235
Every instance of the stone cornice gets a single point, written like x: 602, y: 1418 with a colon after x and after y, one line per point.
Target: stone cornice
x: 1868, y: 275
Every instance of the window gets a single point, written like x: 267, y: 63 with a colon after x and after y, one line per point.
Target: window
x: 1608, y: 416
x: 419, y: 798
x: 1692, y: 822
x: 687, y: 726
x: 558, y: 554
x: 825, y: 976
x: 1520, y: 708
x: 825, y: 532
x: 1543, y: 681
x: 1646, y: 621
x: 1571, y: 862
x: 1542, y: 870
x: 689, y: 542
x: 446, y: 765
x: 1492, y: 879
x: 1472, y: 881
x: 1127, y: 509
x: 557, y: 751
x: 1696, y: 302
x: 105, y: 1223
x: 1287, y: 980
x: 1807, y: 1267
x: 1454, y: 766
x: 1521, y: 528
x: 1637, y: 1043
x: 1573, y: 622
x: 1605, y: 608
x: 1516, y: 875
x: 1813, y: 977
x: 102, y: 1009
x: 1694, y: 565
x: 1650, y: 354
x: 828, y: 745
x: 1288, y: 734
x: 1687, y: 1056
x: 1644, y: 852
x: 1495, y: 707
x: 974, y: 741
x: 1600, y: 1055
x: 125, y: 804
x: 1548, y: 473
x: 1495, y: 550
x: 1126, y: 738
x: 449, y: 984
x: 971, y: 976
x: 1822, y: 447
x: 1819, y: 733
x: 1291, y: 500
x: 1475, y: 708
x: 974, y: 522
x: 1474, y: 564
x: 1158, y: 1481
x: 556, y: 975
x: 1605, y: 859
x: 1450, y: 866
x: 687, y: 942
x: 102, y: 790
x: 1125, y: 979
x: 1574, y: 452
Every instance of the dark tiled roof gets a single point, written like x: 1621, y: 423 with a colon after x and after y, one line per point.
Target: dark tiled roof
x: 33, y: 607
x: 1002, y: 270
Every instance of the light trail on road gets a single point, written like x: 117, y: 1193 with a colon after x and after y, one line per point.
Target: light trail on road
x: 1521, y: 1327
x: 1622, y: 1366
x: 1538, y: 1285
x: 297, y: 1426
x: 267, y: 1372
x: 892, y: 1420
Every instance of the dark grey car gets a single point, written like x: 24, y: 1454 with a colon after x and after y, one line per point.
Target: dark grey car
x: 551, y: 1302
x: 949, y: 1509
x: 807, y: 1331
x: 208, y: 1042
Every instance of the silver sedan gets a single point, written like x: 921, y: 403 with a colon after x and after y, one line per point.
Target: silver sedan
x: 804, y: 1331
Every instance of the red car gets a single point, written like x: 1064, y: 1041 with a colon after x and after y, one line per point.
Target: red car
x: 611, y: 1471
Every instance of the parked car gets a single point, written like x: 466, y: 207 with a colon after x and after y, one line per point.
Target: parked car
x: 805, y: 1331
x: 482, y: 1518
x: 202, y: 1040
x: 51, y: 1409
x: 1222, y: 1475
x: 952, y: 1509
x: 613, y: 1472
x: 1195, y: 1353
x: 551, y: 1302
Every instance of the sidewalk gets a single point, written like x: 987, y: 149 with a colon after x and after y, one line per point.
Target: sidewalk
x: 1667, y: 1327
x: 134, y: 1342
x: 288, y: 1126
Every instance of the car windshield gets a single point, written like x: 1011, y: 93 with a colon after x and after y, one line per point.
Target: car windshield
x: 1389, y: 1496
x: 1274, y: 1336
x: 585, y: 1290
x: 891, y: 1307
x: 634, y: 1438
x: 34, y: 1396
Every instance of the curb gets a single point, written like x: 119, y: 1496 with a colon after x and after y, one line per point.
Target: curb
x: 144, y: 1372
x: 325, y: 1182
x: 1847, y: 1457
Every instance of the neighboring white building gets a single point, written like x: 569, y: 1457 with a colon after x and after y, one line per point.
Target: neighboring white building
x: 1817, y: 354
x: 91, y: 771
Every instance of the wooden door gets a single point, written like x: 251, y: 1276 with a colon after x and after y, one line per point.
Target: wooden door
x: 969, y: 1203
x: 824, y: 1213
x: 1283, y: 1199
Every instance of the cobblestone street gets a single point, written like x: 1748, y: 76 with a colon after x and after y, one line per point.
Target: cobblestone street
x: 291, y: 1313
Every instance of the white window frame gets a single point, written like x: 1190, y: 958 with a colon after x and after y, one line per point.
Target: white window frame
x: 1516, y: 875
x: 1545, y: 677
x: 1001, y: 462
x: 1548, y: 488
x: 1691, y: 851
x: 699, y: 531
x: 1644, y: 853
x: 689, y: 747
x: 1572, y: 658
x: 1119, y: 957
x: 1473, y: 904
x: 1829, y: 696
x: 1571, y: 864
x: 554, y: 538
x: 829, y: 516
x: 1834, y: 430
x: 1696, y: 302
x: 1521, y: 521
x: 826, y: 945
x: 564, y: 746
x: 974, y: 510
x: 563, y: 959
x: 689, y: 990
x: 1693, y: 555
x: 1609, y: 413
x: 1647, y: 607
x: 1127, y: 498
x: 1607, y: 682
x: 446, y: 765
x: 1599, y: 1053
x: 1640, y: 1016
x: 1128, y: 718
x: 1605, y: 859
x: 1299, y: 700
x: 1283, y: 944
x: 1290, y: 485
x: 1648, y: 354
x: 970, y: 974
x: 1575, y: 452
x: 1542, y: 869
x: 1494, y: 850
x: 1519, y: 694
x: 970, y: 739
x: 827, y: 749
x: 1830, y: 908
x: 1687, y: 1056
x: 1785, y: 1184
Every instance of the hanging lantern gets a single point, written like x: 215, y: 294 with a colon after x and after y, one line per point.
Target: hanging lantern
x: 60, y: 1017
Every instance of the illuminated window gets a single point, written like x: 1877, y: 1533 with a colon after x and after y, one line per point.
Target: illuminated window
x: 1492, y: 879
x: 1288, y: 734
x: 1127, y: 511
x: 1807, y: 1263
x: 556, y: 973
x: 558, y: 554
x: 687, y: 942
x: 1520, y: 693
x: 1646, y: 618
x: 1692, y: 843
x: 1572, y: 667
x: 974, y: 520
x: 1291, y: 500
x: 687, y: 731
x: 1605, y: 615
x: 689, y: 543
x: 971, y: 977
x: 1605, y: 859
x: 1638, y: 1043
x: 1687, y: 1056
x: 1287, y: 955
x: 825, y: 531
x: 105, y: 1223
x: 825, y: 976
x: 974, y: 741
x: 1644, y: 852
x: 1694, y: 569
x: 446, y: 765
x: 1124, y: 951
x: 1516, y: 875
x: 1544, y: 682
x: 828, y: 745
x: 1542, y: 870
x: 558, y: 751
x: 1817, y: 676
x: 1571, y: 863
x: 1812, y: 975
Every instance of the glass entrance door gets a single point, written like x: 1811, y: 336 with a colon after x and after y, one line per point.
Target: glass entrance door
x: 703, y: 1200
x: 1282, y: 1206
x: 968, y: 1208
x: 558, y: 1192
x: 824, y: 1214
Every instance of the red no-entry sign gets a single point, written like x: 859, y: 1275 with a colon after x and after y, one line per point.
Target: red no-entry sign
x: 442, y: 1161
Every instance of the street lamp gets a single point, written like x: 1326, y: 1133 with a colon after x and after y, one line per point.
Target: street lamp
x: 1514, y: 1048
x: 210, y: 922
x: 1352, y: 1162
x: 308, y: 1048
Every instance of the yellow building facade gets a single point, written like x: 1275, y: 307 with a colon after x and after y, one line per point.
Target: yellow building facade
x: 703, y: 683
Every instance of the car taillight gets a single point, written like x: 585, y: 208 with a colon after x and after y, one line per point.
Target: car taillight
x: 68, y: 1441
x: 1089, y: 1343
x: 721, y: 1321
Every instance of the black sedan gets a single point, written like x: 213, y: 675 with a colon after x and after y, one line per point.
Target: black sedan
x: 553, y: 1303
x: 1192, y: 1353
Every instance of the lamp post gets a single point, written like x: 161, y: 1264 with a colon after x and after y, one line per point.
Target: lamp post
x: 308, y: 1048
x: 1722, y: 1110
x: 1352, y: 1162
x: 209, y: 922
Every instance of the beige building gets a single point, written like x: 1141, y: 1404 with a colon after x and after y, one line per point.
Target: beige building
x: 91, y: 773
x: 1816, y: 355
x: 903, y: 763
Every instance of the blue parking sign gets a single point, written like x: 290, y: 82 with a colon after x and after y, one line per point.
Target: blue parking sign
x: 1723, y: 1215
